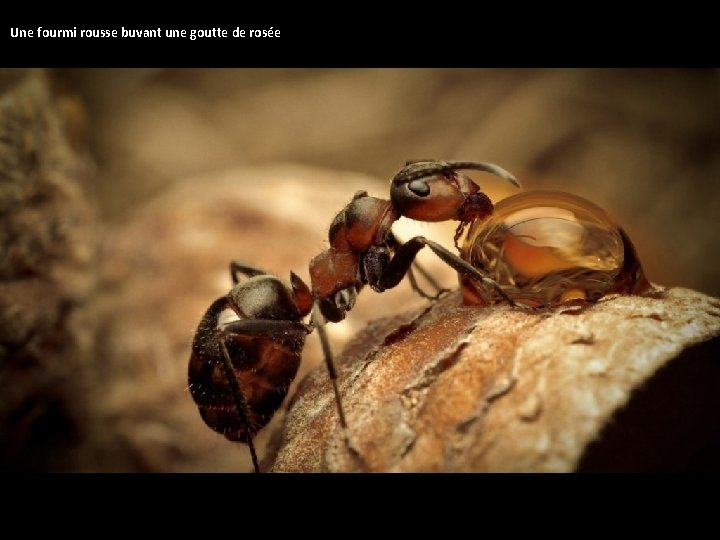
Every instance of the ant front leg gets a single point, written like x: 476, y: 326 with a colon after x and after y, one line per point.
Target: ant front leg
x: 394, y: 243
x: 405, y: 255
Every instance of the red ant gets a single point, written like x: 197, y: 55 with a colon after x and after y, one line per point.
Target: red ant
x: 240, y: 370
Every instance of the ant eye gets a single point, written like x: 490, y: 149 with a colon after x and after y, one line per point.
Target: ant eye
x: 419, y: 188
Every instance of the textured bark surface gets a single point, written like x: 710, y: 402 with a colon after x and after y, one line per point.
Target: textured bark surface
x: 454, y: 388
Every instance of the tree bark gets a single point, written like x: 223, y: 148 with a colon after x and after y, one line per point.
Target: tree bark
x: 455, y: 388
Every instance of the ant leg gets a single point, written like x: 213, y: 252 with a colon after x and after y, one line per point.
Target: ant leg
x: 252, y: 328
x: 319, y: 322
x: 240, y: 402
x: 236, y: 267
x: 416, y: 287
x: 394, y: 243
x: 404, y: 256
x: 266, y: 328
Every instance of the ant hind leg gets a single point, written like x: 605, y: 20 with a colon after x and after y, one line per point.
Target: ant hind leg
x: 237, y: 267
x: 240, y: 402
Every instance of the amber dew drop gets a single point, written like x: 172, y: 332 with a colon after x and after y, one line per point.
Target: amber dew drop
x: 547, y: 248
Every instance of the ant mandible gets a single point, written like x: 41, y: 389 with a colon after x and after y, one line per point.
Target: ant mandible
x: 240, y: 369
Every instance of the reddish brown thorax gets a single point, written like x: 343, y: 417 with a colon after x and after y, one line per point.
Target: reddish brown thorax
x: 364, y: 222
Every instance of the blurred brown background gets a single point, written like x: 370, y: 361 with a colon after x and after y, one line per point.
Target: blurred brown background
x: 192, y: 168
x: 644, y: 144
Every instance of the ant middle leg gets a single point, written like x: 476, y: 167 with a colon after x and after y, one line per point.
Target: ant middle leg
x: 319, y: 323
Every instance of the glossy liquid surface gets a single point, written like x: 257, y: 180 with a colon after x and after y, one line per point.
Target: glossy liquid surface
x: 547, y: 248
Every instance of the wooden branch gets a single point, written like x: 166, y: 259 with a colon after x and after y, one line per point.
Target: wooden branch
x: 454, y: 388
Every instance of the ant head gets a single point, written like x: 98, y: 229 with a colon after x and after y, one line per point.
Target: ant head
x: 434, y: 191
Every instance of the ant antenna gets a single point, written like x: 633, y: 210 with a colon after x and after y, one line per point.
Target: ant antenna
x: 415, y: 170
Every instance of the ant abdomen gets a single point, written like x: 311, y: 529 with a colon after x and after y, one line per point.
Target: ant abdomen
x: 260, y: 356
